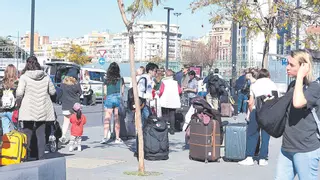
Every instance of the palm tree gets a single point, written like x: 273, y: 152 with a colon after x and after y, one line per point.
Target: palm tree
x: 136, y: 9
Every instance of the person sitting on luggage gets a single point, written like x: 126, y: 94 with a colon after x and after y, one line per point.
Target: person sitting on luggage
x: 170, y: 98
x: 86, y: 90
x: 192, y: 88
x: 262, y: 87
x: 77, y: 121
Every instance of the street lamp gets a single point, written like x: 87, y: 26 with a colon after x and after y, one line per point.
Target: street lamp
x: 32, y: 28
x: 177, y: 14
x: 176, y: 49
x: 168, y: 35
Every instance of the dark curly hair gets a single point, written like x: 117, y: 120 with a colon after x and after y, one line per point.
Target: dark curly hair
x: 113, y: 74
x: 31, y: 65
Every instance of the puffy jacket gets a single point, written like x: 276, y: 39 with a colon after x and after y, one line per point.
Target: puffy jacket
x: 35, y: 88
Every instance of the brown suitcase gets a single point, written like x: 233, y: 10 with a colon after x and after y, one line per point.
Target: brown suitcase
x: 204, y: 140
x: 226, y: 109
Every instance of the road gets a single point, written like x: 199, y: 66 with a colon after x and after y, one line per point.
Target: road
x: 110, y: 161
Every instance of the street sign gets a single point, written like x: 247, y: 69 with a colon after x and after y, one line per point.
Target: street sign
x: 284, y: 61
x: 102, y: 52
x: 102, y: 61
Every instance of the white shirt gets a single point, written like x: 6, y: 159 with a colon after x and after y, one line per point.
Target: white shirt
x: 263, y: 86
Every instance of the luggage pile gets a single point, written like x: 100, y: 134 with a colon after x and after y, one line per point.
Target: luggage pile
x: 204, y: 132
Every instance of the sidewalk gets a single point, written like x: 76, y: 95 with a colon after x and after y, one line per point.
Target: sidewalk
x: 110, y: 161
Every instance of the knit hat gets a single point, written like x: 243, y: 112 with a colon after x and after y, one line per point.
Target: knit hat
x: 76, y: 107
x: 73, y: 72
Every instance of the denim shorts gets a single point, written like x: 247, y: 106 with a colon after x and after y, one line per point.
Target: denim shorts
x: 112, y: 101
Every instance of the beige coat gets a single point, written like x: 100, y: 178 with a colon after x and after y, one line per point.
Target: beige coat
x: 35, y: 88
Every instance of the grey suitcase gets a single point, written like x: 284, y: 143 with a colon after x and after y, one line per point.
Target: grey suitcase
x: 235, y: 141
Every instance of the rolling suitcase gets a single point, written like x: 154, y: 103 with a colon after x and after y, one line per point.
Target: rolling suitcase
x: 226, y: 110
x: 235, y: 141
x: 14, y: 148
x: 127, y: 126
x: 204, y: 142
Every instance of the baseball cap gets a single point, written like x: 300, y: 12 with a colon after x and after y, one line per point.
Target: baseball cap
x: 76, y: 107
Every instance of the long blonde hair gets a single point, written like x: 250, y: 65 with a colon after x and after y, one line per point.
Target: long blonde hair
x: 302, y: 56
x: 68, y: 80
x: 10, y: 76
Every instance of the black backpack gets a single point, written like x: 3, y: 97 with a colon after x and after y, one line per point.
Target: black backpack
x: 216, y: 86
x: 130, y: 101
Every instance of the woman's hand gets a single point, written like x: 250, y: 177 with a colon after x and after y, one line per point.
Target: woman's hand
x: 303, y: 70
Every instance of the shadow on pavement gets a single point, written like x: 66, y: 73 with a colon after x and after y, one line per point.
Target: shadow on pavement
x: 85, y: 138
x: 56, y: 155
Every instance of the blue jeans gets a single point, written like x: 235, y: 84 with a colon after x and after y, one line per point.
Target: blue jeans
x: 145, y: 113
x: 242, y: 105
x: 253, y: 132
x: 303, y: 164
x: 7, y: 124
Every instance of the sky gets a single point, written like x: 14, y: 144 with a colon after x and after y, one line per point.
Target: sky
x: 75, y: 18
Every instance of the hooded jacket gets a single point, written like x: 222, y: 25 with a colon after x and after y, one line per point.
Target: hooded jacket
x: 35, y: 88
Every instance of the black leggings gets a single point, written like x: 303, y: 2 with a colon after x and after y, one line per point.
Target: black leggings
x: 169, y: 114
x: 36, y: 138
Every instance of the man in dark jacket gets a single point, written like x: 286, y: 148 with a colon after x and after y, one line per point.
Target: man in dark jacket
x: 242, y: 89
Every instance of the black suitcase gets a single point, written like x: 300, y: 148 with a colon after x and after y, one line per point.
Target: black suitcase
x: 156, y: 139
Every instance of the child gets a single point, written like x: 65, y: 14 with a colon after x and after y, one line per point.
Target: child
x: 77, y: 121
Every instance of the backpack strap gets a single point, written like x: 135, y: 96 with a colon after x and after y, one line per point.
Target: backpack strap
x: 145, y: 83
x: 316, y: 118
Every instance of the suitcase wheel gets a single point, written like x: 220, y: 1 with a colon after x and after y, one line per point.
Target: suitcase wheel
x: 206, y: 161
x: 190, y: 157
x: 53, y: 146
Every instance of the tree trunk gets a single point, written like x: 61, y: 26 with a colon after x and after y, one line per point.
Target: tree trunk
x: 137, y: 103
x: 134, y: 84
x: 265, y: 60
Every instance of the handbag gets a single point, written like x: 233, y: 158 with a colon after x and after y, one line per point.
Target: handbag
x: 272, y: 113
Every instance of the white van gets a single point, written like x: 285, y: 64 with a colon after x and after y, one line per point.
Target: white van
x: 96, y: 80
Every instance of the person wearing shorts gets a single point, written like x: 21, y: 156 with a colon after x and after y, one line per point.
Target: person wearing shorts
x: 114, y: 86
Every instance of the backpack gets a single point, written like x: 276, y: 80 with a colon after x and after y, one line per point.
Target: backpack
x: 130, y: 102
x: 8, y: 99
x: 215, y: 86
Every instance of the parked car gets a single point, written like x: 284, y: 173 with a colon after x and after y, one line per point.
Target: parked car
x: 57, y: 71
x: 96, y: 81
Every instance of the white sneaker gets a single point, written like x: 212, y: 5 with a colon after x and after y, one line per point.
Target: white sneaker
x: 79, y: 147
x: 52, y: 138
x: 263, y: 162
x: 71, y: 148
x: 104, y: 141
x: 247, y: 162
x: 118, y: 141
